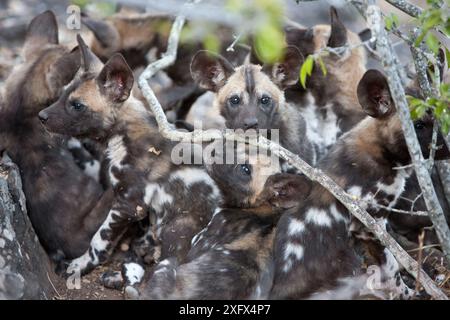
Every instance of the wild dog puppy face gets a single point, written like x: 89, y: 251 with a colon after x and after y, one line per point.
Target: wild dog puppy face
x: 346, y: 69
x: 375, y: 99
x: 90, y: 105
x: 238, y: 237
x: 50, y: 65
x: 329, y: 103
x: 252, y: 180
x: 247, y: 96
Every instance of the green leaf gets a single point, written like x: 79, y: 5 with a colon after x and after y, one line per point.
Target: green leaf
x: 439, y: 109
x: 445, y: 122
x: 419, y: 39
x: 421, y: 110
x: 267, y: 43
x: 391, y: 21
x: 432, y: 43
x: 322, y: 65
x: 306, y: 69
x: 388, y: 23
x: 211, y: 43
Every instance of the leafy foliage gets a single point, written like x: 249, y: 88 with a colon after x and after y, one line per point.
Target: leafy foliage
x: 391, y: 21
x: 439, y: 106
x: 434, y: 17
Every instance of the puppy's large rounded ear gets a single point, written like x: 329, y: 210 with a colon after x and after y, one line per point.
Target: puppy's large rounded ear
x: 285, y: 73
x: 374, y: 95
x: 89, y: 61
x: 116, y: 79
x: 286, y: 190
x: 64, y: 70
x: 338, y: 34
x: 105, y: 33
x: 210, y: 71
x: 42, y: 30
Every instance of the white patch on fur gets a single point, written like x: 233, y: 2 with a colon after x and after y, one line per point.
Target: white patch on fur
x: 292, y: 251
x: 329, y: 128
x: 336, y: 214
x: 165, y: 262
x: 97, y: 244
x: 133, y: 273
x: 322, y: 131
x: 396, y: 188
x: 312, y: 121
x: 77, y: 265
x: 205, y: 112
x: 115, y: 152
x: 355, y: 191
x: 191, y: 176
x: 318, y: 217
x: 93, y: 169
x: 156, y: 197
x: 295, y: 227
x: 73, y: 143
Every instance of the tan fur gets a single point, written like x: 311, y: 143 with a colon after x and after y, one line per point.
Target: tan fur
x: 263, y: 167
x: 348, y: 70
x: 132, y: 30
x: 236, y: 86
x: 89, y: 94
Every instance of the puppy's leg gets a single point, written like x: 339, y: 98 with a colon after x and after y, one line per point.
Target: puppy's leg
x: 121, y: 215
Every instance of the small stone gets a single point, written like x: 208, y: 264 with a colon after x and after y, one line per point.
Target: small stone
x: 131, y: 293
x: 124, y: 247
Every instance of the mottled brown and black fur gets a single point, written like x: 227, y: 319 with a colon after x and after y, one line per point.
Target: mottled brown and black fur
x: 252, y: 97
x: 179, y: 197
x: 313, y: 248
x: 64, y: 204
x: 232, y: 257
x: 329, y: 102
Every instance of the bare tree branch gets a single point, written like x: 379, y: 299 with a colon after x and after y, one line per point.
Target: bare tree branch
x: 406, y: 7
x: 314, y: 174
x: 376, y: 25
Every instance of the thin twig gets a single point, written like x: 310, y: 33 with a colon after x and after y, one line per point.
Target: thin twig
x: 406, y: 7
x: 53, y: 286
x: 419, y: 258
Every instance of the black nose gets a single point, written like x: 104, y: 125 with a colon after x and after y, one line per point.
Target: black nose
x: 251, y: 123
x: 43, y: 117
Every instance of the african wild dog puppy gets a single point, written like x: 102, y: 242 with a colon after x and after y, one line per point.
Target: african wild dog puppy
x: 329, y: 103
x: 180, y: 198
x: 142, y: 37
x: 232, y: 257
x: 252, y: 97
x: 312, y: 246
x: 130, y: 33
x: 65, y: 206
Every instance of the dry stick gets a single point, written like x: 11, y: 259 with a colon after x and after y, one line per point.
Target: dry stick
x: 314, y: 174
x: 375, y: 23
x: 406, y: 7
x: 420, y: 258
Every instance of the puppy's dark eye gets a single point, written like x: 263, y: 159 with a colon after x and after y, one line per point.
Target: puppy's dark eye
x: 235, y: 100
x: 77, y: 106
x: 419, y: 125
x: 265, y: 100
x: 245, y: 169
